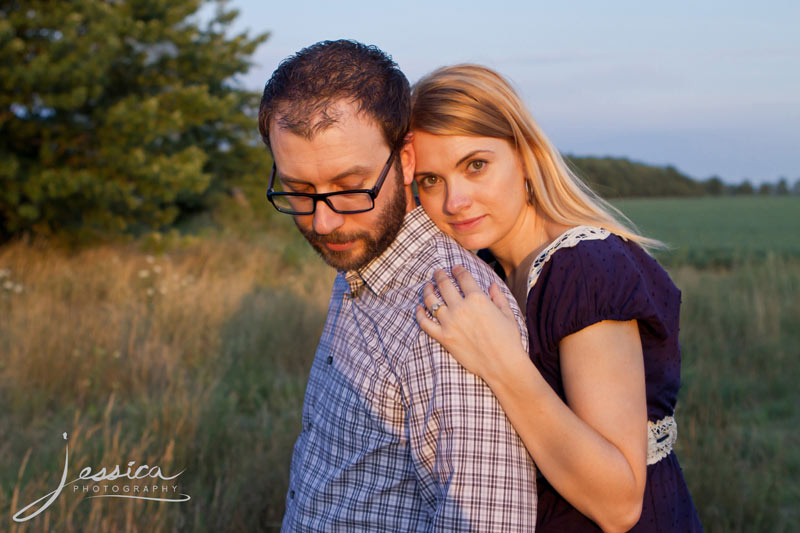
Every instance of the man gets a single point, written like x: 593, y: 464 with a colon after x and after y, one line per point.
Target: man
x: 396, y: 435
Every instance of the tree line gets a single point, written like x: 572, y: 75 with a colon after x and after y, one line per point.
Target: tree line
x: 621, y: 178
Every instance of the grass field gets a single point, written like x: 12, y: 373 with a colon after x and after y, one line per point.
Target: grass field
x: 719, y: 231
x: 193, y: 354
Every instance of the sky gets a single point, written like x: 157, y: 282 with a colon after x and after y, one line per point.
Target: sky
x: 710, y: 87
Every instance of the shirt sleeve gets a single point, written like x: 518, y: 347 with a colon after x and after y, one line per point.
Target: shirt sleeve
x: 473, y: 470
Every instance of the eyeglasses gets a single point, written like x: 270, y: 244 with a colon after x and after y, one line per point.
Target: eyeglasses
x: 343, y: 202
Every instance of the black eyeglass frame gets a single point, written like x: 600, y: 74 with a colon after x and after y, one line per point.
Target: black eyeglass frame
x: 316, y: 197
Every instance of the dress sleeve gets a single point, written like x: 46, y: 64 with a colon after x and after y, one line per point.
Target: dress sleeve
x: 598, y: 280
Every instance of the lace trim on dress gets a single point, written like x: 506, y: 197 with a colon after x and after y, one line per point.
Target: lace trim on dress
x: 660, y: 439
x: 568, y: 239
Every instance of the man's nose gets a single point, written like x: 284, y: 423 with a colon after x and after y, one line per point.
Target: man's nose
x: 326, y: 220
x: 458, y: 198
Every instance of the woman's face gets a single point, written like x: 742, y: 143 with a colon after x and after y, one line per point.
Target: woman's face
x: 473, y: 188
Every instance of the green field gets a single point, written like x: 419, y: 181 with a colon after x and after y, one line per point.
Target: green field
x: 718, y: 230
x: 193, y: 353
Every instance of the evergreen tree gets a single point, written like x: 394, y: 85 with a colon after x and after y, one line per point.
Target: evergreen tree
x: 117, y: 115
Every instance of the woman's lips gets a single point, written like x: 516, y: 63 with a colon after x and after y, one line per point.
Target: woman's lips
x: 466, y: 224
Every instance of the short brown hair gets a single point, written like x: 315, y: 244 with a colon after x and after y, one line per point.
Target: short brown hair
x: 304, y: 87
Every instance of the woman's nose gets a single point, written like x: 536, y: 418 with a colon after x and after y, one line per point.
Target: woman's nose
x: 458, y: 199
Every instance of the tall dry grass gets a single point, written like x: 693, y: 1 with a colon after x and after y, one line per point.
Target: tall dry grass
x: 190, y: 360
x: 196, y: 359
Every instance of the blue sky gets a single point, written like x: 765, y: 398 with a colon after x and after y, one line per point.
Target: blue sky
x: 711, y: 87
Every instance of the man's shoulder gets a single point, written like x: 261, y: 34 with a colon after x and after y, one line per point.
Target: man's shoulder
x: 428, y: 249
x: 443, y: 252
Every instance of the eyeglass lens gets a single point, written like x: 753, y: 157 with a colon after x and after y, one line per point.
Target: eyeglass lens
x: 341, y: 202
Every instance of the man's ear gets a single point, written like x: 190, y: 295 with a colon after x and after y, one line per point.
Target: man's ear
x: 408, y: 159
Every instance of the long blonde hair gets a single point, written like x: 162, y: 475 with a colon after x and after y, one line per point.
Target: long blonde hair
x: 473, y: 100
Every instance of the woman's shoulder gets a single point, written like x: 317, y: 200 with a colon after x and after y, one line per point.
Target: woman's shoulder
x: 590, y: 274
x: 581, y: 250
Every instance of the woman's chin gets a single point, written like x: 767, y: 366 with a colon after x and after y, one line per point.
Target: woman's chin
x: 471, y: 242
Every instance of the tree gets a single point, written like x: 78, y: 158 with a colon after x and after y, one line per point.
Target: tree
x: 118, y: 115
x: 714, y: 186
x: 744, y: 188
x: 782, y: 188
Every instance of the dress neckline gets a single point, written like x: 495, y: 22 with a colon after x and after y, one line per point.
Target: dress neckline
x: 568, y: 239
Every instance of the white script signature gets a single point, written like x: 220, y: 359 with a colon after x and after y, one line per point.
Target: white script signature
x: 143, y: 472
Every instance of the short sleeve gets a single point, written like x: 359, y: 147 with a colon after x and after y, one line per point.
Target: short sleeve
x: 596, y: 280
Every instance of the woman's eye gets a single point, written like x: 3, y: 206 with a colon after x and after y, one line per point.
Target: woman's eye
x: 478, y: 164
x: 428, y: 181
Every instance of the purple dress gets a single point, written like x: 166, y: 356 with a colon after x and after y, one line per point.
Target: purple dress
x: 585, y: 276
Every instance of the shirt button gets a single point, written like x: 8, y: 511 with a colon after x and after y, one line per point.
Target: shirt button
x: 330, y: 359
x: 291, y: 495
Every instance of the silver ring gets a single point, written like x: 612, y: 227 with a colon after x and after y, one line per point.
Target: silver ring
x: 435, y: 307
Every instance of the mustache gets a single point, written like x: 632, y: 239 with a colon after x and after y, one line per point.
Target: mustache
x: 334, y: 238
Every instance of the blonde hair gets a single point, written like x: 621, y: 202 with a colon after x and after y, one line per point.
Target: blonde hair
x: 473, y: 100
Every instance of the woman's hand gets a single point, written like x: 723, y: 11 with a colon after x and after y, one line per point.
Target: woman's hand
x: 479, y: 331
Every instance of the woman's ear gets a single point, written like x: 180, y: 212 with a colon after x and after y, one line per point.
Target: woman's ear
x: 408, y: 159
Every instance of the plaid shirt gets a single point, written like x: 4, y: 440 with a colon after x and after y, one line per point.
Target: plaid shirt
x: 397, y: 436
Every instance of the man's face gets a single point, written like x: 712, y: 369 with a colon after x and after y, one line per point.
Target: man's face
x: 349, y: 154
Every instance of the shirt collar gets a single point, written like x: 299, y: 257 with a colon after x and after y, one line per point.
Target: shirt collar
x: 417, y: 228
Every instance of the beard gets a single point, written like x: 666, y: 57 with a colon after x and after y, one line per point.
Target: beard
x: 369, y: 245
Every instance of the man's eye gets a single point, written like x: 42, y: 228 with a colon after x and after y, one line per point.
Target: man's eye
x: 297, y: 188
x: 477, y: 164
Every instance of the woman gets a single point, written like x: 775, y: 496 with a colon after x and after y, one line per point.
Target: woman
x: 594, y: 400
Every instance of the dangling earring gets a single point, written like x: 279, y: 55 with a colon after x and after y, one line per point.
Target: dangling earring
x: 529, y: 191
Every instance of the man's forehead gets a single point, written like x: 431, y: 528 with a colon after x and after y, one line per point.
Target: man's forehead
x: 346, y: 148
